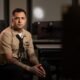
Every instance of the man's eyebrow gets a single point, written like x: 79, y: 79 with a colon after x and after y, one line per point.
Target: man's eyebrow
x: 19, y: 17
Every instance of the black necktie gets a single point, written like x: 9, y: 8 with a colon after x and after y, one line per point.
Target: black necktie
x: 21, y: 52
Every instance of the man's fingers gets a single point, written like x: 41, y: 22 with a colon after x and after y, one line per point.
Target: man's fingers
x: 40, y: 73
x: 41, y: 68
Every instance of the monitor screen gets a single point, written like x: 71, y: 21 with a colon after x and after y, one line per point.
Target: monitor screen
x: 50, y: 30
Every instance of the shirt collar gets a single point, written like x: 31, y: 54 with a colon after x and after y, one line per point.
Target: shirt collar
x: 15, y: 32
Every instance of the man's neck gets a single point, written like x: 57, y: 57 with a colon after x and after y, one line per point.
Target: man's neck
x: 18, y: 30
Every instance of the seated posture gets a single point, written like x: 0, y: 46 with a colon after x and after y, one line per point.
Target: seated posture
x: 19, y: 61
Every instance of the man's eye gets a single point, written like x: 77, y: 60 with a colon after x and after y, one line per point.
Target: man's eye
x: 16, y: 18
x: 23, y: 18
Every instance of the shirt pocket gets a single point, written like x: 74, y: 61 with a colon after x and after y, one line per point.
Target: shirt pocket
x: 26, y: 44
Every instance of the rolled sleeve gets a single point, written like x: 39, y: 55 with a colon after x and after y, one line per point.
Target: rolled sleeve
x: 30, y: 46
x: 6, y: 43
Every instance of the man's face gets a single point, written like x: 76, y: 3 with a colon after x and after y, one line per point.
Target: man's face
x: 19, y: 20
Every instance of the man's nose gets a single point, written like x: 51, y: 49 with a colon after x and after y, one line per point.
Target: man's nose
x: 19, y: 20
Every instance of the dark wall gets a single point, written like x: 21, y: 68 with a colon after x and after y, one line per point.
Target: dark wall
x: 3, y: 25
x: 48, y: 29
x: 71, y: 42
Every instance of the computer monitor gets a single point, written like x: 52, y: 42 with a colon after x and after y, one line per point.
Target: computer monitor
x: 50, y: 30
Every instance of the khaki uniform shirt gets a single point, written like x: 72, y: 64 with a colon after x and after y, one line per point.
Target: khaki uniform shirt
x: 9, y: 42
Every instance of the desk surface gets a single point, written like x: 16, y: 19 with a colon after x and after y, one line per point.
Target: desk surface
x: 48, y: 46
x: 46, y: 40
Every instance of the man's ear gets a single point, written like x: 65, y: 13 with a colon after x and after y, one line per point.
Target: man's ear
x: 12, y: 19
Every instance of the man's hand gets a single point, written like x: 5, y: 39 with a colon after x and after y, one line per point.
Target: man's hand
x: 38, y: 70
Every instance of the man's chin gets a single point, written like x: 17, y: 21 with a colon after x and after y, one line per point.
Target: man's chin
x: 20, y: 27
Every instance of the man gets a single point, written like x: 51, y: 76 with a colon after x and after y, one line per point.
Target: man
x: 17, y: 50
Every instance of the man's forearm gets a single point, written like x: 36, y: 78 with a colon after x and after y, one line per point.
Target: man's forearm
x: 20, y: 64
x: 34, y: 59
